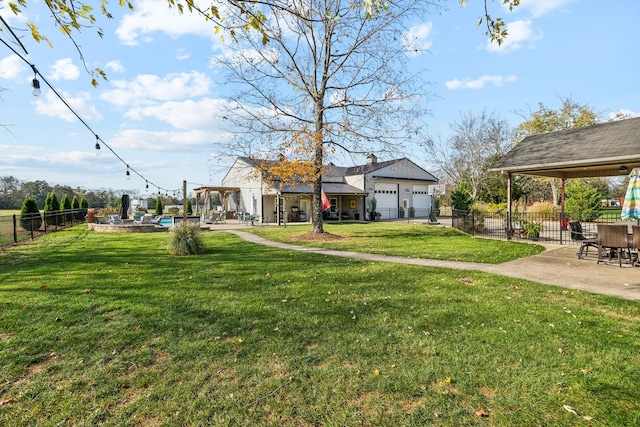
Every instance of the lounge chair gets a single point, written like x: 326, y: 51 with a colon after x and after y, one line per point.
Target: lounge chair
x: 578, y: 235
x: 115, y: 219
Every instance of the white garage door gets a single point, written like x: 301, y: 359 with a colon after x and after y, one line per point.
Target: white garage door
x: 421, y: 200
x: 387, y: 197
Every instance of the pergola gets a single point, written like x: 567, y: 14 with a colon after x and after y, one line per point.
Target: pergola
x: 205, y: 191
x: 607, y: 149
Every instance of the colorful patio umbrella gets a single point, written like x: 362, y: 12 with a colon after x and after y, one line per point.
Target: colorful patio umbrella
x: 631, y: 205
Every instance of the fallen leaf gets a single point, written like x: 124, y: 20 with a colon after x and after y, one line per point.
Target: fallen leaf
x: 86, y: 291
x: 569, y: 409
x: 58, y: 319
x: 6, y: 400
x: 561, y: 351
x: 44, y: 287
x: 481, y: 412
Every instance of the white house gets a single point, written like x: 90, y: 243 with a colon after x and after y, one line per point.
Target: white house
x: 399, y: 186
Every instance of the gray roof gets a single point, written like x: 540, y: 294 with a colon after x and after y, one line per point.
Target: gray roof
x: 598, y: 150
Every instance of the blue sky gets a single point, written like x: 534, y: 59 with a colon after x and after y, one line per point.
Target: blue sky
x: 161, y: 109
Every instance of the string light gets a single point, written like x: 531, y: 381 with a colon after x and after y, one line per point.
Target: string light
x: 36, y: 91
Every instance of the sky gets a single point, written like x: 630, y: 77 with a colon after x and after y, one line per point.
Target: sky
x: 161, y: 109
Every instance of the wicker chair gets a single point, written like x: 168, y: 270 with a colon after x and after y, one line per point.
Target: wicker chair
x: 613, y: 239
x: 578, y: 235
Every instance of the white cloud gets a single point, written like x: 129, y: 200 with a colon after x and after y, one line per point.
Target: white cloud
x: 182, y: 54
x: 115, y: 66
x: 417, y: 39
x: 166, y: 141
x: 479, y: 83
x: 11, y: 67
x: 519, y: 33
x: 63, y: 69
x: 146, y: 88
x: 154, y: 15
x: 539, y: 8
x: 50, y: 105
x: 623, y: 113
x: 206, y: 114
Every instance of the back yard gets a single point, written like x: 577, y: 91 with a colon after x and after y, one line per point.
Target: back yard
x: 109, y: 329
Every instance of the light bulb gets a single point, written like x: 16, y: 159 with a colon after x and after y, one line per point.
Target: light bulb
x: 97, y: 148
x: 35, y: 84
x: 128, y: 173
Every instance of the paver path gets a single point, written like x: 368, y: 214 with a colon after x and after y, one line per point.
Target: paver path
x: 557, y: 266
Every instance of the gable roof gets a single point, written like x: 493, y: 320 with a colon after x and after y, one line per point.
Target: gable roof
x: 598, y: 150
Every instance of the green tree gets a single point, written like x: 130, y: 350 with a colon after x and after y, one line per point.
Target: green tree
x: 583, y: 202
x: 159, y: 205
x: 84, y: 204
x: 51, y: 210
x: 461, y: 197
x: 570, y: 115
x: 30, y: 218
x: 65, y: 204
x: 189, y: 208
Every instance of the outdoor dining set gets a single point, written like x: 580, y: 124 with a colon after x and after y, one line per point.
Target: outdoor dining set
x: 619, y: 242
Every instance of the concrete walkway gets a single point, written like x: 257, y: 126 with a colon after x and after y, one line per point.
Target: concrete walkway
x: 558, y: 266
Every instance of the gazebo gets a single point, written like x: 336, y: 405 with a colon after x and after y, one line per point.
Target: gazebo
x: 606, y: 149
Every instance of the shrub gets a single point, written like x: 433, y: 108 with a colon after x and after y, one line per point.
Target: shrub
x: 30, y: 218
x: 84, y: 204
x: 461, y: 199
x: 543, y: 207
x: 65, y: 204
x: 75, y: 205
x: 186, y: 240
x: 159, y: 206
x: 189, y: 208
x: 583, y: 202
x: 51, y: 210
x: 105, y: 212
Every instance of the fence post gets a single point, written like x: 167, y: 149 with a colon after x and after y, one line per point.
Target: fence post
x: 15, y: 229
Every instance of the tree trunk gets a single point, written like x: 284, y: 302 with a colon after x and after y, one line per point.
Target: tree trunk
x: 318, y: 160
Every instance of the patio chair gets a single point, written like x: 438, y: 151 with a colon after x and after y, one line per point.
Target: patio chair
x: 636, y: 245
x: 115, y: 219
x: 578, y: 235
x: 614, y: 240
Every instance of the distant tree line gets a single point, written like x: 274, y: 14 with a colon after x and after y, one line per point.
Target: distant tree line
x: 13, y: 193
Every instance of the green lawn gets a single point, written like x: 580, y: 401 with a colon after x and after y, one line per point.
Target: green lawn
x: 407, y: 240
x: 107, y: 329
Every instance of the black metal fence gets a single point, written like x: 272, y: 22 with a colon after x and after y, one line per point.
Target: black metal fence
x: 541, y: 227
x: 16, y: 228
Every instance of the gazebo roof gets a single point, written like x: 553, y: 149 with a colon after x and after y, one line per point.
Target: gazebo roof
x: 606, y: 149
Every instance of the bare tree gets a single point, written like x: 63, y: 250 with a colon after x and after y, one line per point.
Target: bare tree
x: 474, y: 142
x: 332, y: 77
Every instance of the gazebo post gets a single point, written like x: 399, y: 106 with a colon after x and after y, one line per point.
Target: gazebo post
x: 562, y: 226
x: 509, y: 195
